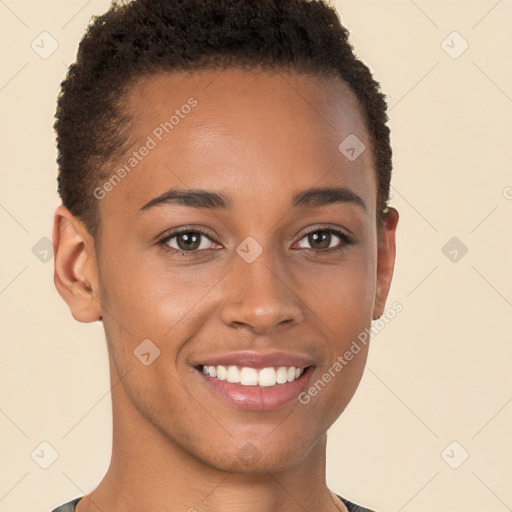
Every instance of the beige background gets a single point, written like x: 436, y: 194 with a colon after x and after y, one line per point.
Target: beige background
x: 438, y: 373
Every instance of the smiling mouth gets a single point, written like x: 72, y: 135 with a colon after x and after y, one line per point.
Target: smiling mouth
x: 257, y: 377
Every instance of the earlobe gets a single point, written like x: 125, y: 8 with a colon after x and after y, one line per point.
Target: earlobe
x: 386, y: 252
x: 75, y: 268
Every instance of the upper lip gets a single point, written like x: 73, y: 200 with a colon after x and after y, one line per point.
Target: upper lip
x: 257, y: 360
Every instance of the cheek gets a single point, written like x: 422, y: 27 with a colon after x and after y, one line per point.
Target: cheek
x: 145, y: 298
x: 342, y: 296
x: 342, y: 307
x: 342, y: 300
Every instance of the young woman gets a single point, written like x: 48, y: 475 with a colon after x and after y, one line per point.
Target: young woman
x: 224, y: 169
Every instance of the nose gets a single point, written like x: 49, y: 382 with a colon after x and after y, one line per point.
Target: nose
x: 259, y: 295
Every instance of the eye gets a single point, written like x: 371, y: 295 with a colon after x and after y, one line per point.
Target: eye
x: 187, y: 241
x: 321, y: 240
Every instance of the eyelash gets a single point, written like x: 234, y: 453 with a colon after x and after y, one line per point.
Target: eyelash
x: 345, y: 238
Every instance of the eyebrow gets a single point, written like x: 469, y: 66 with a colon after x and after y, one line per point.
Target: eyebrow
x: 198, y: 198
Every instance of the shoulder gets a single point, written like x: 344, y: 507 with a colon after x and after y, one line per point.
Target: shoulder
x: 68, y: 507
x: 352, y: 507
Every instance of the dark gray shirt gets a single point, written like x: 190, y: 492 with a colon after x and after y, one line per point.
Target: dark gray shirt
x: 352, y: 507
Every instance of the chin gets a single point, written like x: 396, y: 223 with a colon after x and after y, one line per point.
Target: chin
x: 249, y: 459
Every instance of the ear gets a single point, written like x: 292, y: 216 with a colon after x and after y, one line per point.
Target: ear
x: 75, y: 269
x: 386, y: 250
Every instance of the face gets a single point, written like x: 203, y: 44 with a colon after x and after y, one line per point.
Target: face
x: 269, y: 272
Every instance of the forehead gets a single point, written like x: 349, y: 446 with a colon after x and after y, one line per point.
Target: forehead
x: 325, y: 107
x: 254, y: 132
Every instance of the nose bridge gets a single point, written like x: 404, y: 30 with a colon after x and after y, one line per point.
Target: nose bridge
x: 258, y: 293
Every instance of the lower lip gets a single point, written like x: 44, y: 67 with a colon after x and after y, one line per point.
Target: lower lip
x: 257, y: 398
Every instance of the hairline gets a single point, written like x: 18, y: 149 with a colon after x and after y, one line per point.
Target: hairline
x: 138, y: 81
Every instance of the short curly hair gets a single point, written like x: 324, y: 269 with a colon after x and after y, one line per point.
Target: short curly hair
x: 139, y: 38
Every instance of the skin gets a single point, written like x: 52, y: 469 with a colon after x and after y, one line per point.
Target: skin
x: 258, y: 138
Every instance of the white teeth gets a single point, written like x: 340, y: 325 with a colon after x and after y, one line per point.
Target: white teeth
x: 267, y: 377
x: 222, y: 373
x: 247, y: 376
x: 282, y: 375
x: 233, y: 374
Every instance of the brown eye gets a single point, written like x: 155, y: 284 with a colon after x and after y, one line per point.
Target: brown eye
x: 324, y: 239
x: 187, y: 241
x: 320, y: 240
